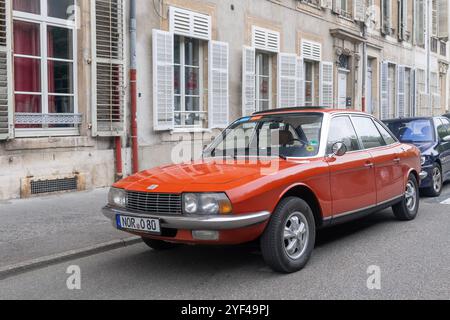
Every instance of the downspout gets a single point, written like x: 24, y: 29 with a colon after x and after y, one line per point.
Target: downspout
x: 133, y: 88
x: 364, y: 71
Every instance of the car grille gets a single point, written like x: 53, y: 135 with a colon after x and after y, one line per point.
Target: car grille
x: 154, y: 202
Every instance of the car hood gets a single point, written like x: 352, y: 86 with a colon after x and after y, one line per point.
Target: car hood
x: 202, y: 176
x: 424, y: 146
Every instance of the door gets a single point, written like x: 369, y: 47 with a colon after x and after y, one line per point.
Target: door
x: 443, y: 129
x: 369, y: 97
x: 387, y: 158
x: 352, y: 177
x: 342, y: 89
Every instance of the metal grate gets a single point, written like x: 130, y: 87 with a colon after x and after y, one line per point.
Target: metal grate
x: 4, y: 121
x: 52, y: 186
x: 154, y: 202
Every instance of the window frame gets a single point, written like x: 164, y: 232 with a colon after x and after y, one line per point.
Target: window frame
x: 44, y: 21
x: 349, y: 116
x: 182, y: 65
x: 258, y: 76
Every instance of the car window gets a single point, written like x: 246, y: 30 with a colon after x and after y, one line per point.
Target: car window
x: 412, y: 131
x: 368, y: 133
x: 341, y: 130
x: 441, y: 128
x: 446, y: 124
x: 388, y: 138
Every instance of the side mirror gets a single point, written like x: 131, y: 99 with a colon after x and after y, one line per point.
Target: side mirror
x: 339, y: 149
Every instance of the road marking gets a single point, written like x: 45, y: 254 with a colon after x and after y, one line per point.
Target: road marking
x: 446, y: 201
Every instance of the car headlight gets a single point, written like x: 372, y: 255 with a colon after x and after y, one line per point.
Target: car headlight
x: 117, y: 198
x: 423, y: 160
x: 206, y: 203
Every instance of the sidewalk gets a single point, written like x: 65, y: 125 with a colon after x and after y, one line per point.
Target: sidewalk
x: 40, y: 227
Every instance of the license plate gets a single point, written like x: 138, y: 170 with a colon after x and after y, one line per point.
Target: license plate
x: 138, y: 224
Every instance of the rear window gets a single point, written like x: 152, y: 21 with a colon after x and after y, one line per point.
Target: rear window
x: 420, y: 130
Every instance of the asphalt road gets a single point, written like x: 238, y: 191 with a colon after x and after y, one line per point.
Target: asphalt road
x: 413, y: 257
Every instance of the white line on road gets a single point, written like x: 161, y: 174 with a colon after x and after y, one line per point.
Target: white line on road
x: 446, y: 201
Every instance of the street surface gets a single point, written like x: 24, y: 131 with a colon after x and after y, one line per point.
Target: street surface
x: 413, y: 258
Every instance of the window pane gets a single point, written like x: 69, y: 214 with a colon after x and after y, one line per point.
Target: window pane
x: 341, y: 130
x: 30, y: 6
x: 368, y: 133
x: 27, y: 75
x: 192, y: 104
x: 177, y: 80
x: 193, y: 119
x: 192, y: 52
x: 264, y: 88
x: 58, y: 104
x: 27, y: 38
x: 60, y: 77
x: 60, y: 43
x: 26, y: 103
x: 385, y: 134
x: 62, y: 9
x: 192, y: 81
x: 177, y: 50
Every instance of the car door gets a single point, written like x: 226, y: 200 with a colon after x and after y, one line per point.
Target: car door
x: 352, y: 179
x: 443, y: 129
x: 387, y: 155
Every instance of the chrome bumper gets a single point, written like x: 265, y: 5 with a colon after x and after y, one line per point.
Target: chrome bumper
x: 184, y: 222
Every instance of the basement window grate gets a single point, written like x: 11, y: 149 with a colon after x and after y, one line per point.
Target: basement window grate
x: 52, y: 186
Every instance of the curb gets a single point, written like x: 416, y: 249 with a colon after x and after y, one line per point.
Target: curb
x: 26, y: 266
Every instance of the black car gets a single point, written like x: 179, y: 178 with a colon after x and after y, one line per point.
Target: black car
x: 447, y: 115
x: 432, y: 136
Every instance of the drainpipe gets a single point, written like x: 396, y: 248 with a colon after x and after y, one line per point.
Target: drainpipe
x: 119, y: 162
x: 133, y: 88
x: 364, y: 66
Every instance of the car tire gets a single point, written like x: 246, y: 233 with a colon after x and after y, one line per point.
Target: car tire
x: 288, y: 252
x: 408, y: 208
x: 437, y: 182
x: 159, y: 245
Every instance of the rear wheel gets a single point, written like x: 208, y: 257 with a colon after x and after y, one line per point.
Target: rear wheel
x: 289, y: 239
x: 408, y: 208
x: 436, y: 182
x: 159, y: 245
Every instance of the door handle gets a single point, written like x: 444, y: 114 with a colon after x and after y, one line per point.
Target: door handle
x: 397, y: 160
x: 369, y: 165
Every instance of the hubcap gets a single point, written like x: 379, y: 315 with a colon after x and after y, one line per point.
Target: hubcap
x: 411, y: 196
x: 296, y: 234
x: 437, y: 179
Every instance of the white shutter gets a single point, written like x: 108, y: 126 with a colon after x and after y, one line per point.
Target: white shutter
x: 326, y: 84
x: 420, y: 23
x: 109, y: 64
x: 387, y: 16
x: 163, y: 80
x: 287, y: 79
x: 218, y: 108
x: 300, y: 83
x: 337, y: 6
x: 401, y: 99
x: 412, y: 111
x: 403, y: 20
x: 434, y: 17
x: 6, y: 105
x: 248, y: 81
x: 359, y: 10
x: 190, y: 23
x: 265, y: 39
x: 384, y: 90
x: 311, y: 50
x: 443, y: 19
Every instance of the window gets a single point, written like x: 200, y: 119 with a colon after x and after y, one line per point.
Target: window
x: 44, y: 64
x: 421, y: 81
x: 368, y: 133
x: 309, y: 83
x: 419, y: 23
x: 386, y: 11
x: 263, y: 81
x: 188, y: 82
x: 412, y: 131
x: 388, y: 138
x: 341, y: 130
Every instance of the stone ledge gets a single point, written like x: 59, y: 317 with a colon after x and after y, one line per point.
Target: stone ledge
x: 48, y: 143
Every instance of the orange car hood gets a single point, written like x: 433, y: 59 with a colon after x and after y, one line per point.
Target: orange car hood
x: 201, y: 176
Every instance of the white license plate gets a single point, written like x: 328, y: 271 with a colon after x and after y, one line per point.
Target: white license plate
x: 138, y: 224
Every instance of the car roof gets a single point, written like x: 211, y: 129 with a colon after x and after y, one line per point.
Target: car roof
x: 410, y: 119
x: 308, y: 110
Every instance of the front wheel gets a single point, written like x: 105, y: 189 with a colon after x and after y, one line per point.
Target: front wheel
x: 437, y: 182
x: 407, y: 209
x: 289, y: 239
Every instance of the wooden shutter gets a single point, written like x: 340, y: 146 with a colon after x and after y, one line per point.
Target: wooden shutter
x: 326, y: 84
x: 300, y: 83
x: 109, y: 67
x: 384, y: 90
x: 443, y: 19
x: 218, y: 108
x: 337, y: 6
x: 287, y: 79
x: 190, y: 23
x: 401, y: 99
x: 386, y: 16
x: 6, y: 105
x: 163, y: 81
x: 420, y: 23
x: 248, y: 81
x: 403, y: 20
x: 434, y: 18
x: 265, y: 39
x: 311, y: 50
x: 359, y: 10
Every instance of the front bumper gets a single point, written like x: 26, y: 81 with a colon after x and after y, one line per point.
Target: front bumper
x: 185, y: 222
x: 426, y: 177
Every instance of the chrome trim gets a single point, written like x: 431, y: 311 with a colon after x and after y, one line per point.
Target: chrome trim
x: 185, y: 222
x: 423, y: 175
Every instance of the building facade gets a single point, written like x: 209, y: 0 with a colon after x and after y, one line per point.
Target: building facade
x: 65, y: 86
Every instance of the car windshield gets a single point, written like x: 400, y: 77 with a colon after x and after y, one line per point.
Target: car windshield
x: 286, y: 135
x: 420, y: 130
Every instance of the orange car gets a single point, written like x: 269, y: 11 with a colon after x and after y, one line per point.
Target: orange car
x: 277, y: 176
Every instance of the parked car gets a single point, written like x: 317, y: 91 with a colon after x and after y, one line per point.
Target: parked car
x: 447, y: 115
x: 432, y: 136
x: 277, y: 176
